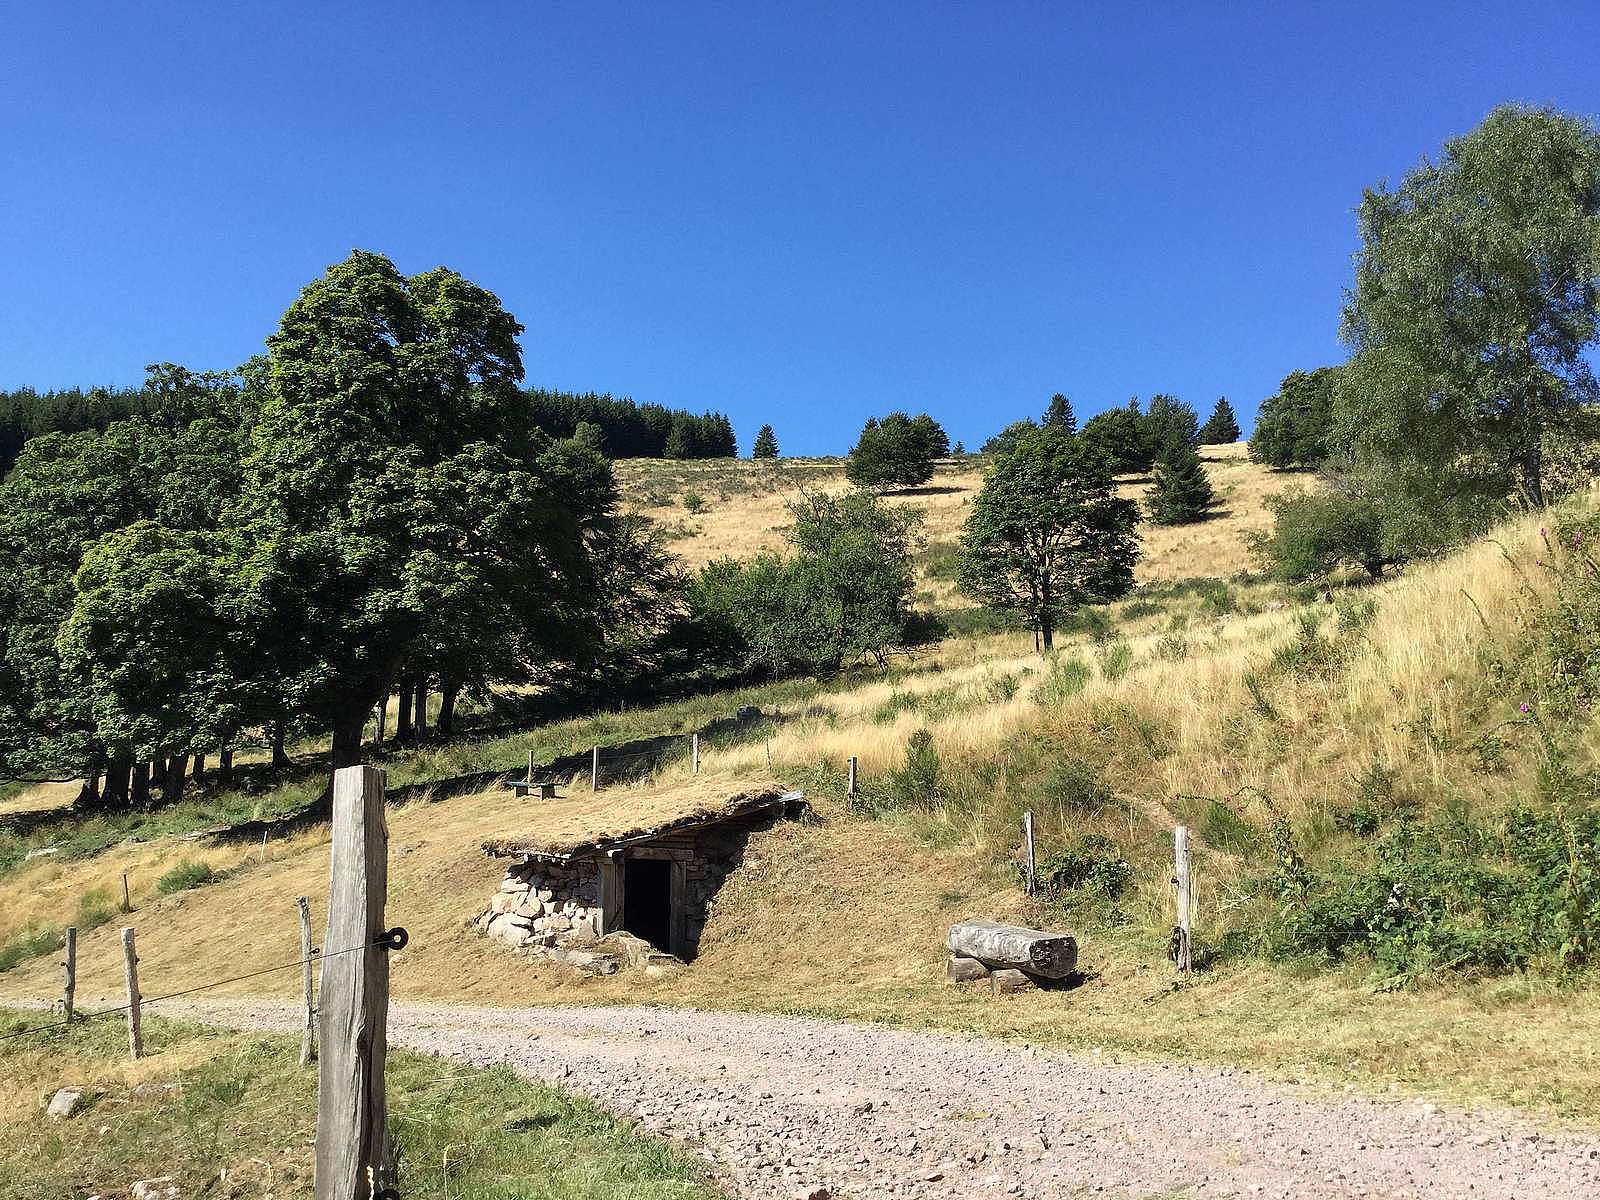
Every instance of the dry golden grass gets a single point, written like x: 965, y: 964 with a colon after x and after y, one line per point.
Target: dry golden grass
x: 746, y: 510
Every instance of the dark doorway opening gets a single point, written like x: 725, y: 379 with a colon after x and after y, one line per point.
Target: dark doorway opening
x: 647, y: 900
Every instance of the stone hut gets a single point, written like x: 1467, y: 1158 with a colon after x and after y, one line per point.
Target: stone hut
x: 626, y: 878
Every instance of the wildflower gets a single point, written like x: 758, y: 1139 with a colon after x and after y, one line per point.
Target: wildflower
x: 1523, y: 707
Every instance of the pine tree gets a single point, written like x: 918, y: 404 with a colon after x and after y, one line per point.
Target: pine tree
x: 1222, y: 428
x: 1181, y: 493
x: 1060, y: 414
x: 766, y: 444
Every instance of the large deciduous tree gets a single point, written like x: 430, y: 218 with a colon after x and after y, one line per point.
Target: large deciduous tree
x: 1123, y: 436
x: 1048, y: 533
x: 1475, y: 304
x: 393, y: 482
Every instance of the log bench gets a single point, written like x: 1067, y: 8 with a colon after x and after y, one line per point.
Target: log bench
x: 546, y: 788
x: 1011, y: 957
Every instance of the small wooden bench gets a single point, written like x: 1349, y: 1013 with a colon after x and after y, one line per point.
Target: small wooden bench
x: 545, y: 787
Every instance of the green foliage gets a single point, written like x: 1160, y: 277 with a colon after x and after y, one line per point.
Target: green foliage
x: 30, y: 943
x: 1476, y: 305
x: 628, y: 429
x: 187, y: 874
x: 1181, y: 493
x: 766, y: 443
x: 1048, y: 534
x: 1294, y: 428
x: 1116, y: 658
x: 897, y: 451
x: 1170, y: 424
x: 1005, y: 441
x: 1222, y: 427
x: 1225, y: 828
x: 918, y: 783
x: 1060, y: 414
x: 841, y: 599
x: 1315, y: 533
x: 1123, y: 437
x: 1092, y: 867
x: 1066, y: 678
x: 694, y: 501
x: 1451, y: 892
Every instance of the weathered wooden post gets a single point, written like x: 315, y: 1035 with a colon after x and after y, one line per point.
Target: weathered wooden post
x: 1180, y: 877
x: 694, y: 752
x: 850, y: 781
x: 594, y: 770
x: 308, y: 1035
x: 529, y: 775
x: 352, y: 1133
x: 130, y: 975
x: 1030, y: 864
x: 383, y: 712
x: 126, y: 907
x: 70, y: 964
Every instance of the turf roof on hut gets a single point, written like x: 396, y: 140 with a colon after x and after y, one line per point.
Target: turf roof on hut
x: 593, y: 822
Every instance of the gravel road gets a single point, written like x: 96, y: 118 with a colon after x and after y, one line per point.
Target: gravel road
x: 787, y: 1107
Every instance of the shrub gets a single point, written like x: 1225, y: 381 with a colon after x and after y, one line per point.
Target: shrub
x: 1092, y: 867
x: 1314, y: 533
x: 1067, y: 677
x: 919, y: 781
x: 187, y: 874
x: 1115, y: 660
x: 693, y: 501
x: 1227, y: 829
x: 1076, y: 787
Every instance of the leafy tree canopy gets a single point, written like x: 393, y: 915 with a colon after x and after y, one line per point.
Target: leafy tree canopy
x: 1294, y: 428
x: 1476, y: 302
x: 1048, y: 533
x: 898, y: 451
x: 1123, y: 437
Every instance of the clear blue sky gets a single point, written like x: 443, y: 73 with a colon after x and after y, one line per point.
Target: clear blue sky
x: 802, y: 213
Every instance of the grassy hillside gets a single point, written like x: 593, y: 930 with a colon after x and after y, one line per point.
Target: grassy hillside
x: 720, y: 508
x: 1266, y: 723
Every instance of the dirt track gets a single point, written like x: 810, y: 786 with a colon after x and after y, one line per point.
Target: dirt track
x: 785, y: 1106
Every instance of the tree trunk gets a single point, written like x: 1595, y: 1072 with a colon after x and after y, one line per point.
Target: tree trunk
x: 419, y: 712
x: 402, y: 720
x: 199, y: 768
x: 176, y: 768
x: 89, y: 793
x: 1533, y: 473
x: 448, y: 694
x: 118, y: 775
x: 383, y: 714
x: 225, y: 769
x: 347, y: 740
x: 280, y: 757
x: 139, y: 791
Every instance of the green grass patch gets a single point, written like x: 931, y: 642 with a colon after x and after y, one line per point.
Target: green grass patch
x: 187, y: 874
x: 243, y: 1104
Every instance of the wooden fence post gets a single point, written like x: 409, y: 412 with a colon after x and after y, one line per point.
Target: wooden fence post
x: 308, y: 1035
x: 1031, y: 864
x: 383, y: 711
x: 1180, y: 856
x: 70, y: 963
x: 352, y: 1127
x: 694, y: 751
x: 850, y: 780
x: 130, y: 974
x: 126, y: 907
x: 594, y: 770
x: 529, y: 775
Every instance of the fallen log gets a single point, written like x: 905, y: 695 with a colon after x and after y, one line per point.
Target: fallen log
x: 1048, y: 955
x: 1008, y: 980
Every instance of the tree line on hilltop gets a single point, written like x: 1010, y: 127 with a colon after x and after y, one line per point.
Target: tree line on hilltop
x: 619, y: 428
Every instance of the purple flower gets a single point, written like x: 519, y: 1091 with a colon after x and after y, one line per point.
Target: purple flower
x: 1523, y: 707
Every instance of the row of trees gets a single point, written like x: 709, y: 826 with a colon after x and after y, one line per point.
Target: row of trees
x: 1472, y: 324
x: 369, y: 508
x: 26, y: 414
